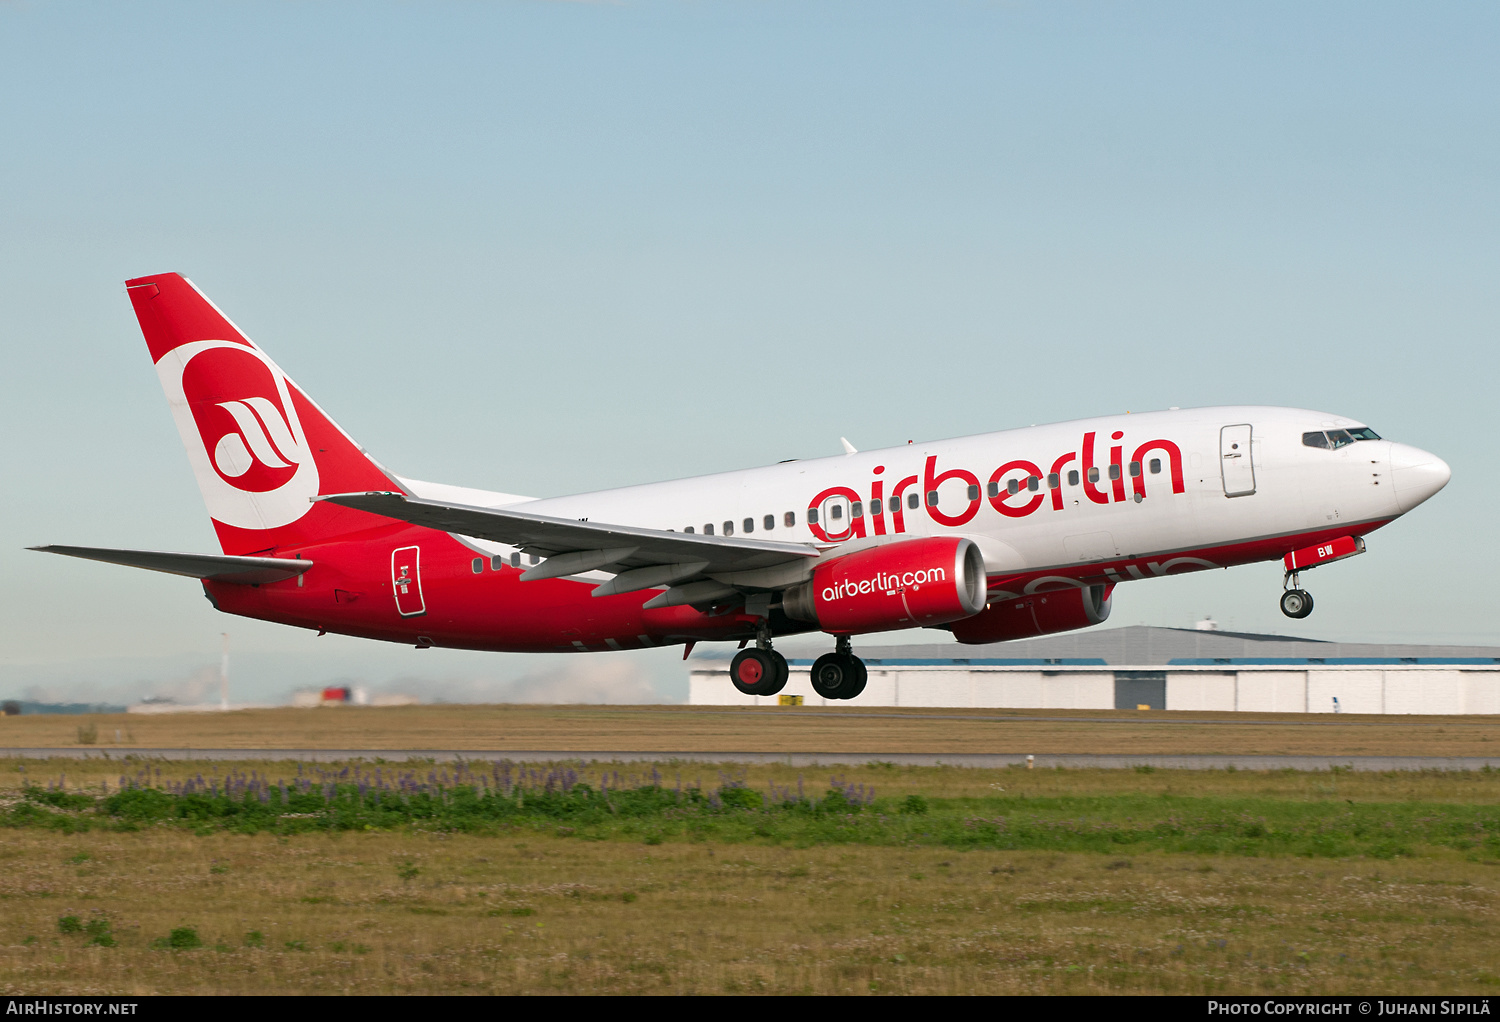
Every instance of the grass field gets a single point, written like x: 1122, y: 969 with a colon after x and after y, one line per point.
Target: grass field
x: 998, y: 881
x: 765, y: 729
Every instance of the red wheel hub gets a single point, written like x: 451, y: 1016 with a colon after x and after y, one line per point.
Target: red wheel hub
x: 750, y: 671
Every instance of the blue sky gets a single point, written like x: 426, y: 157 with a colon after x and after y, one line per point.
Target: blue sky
x: 553, y: 247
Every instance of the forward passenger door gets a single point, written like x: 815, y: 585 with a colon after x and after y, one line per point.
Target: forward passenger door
x: 1236, y: 463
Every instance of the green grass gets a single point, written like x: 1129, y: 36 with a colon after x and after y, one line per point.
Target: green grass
x: 842, y: 814
x: 913, y: 880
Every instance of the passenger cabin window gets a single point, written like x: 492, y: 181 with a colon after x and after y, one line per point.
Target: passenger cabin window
x: 1033, y: 483
x: 1053, y: 481
x: 478, y: 565
x: 688, y: 529
x: 769, y: 522
x: 789, y: 519
x: 749, y: 525
x: 812, y: 516
x: 913, y: 501
x: 1135, y: 469
x: 729, y: 528
x: 1156, y: 466
x: 835, y: 511
x: 1114, y: 471
x: 932, y: 498
x: 515, y: 559
x: 1093, y: 475
x: 895, y: 503
x: 974, y: 493
x: 708, y: 529
x: 993, y: 489
x: 1073, y: 477
x: 1013, y: 487
x: 497, y: 562
x: 856, y: 510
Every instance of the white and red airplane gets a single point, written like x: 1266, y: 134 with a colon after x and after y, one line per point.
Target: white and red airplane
x: 999, y: 536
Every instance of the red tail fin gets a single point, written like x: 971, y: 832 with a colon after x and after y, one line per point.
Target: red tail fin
x: 260, y: 449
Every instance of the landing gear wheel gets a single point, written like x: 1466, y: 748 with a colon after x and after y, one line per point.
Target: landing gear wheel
x: 783, y: 671
x: 758, y: 672
x: 862, y: 675
x: 838, y: 676
x: 1296, y: 603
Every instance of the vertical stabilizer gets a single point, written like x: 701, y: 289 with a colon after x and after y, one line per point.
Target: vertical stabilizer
x: 259, y: 447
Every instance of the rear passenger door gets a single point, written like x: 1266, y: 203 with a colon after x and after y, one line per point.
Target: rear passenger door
x: 406, y: 581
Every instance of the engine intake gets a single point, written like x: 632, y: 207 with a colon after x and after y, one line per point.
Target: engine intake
x: 909, y: 584
x: 1040, y: 614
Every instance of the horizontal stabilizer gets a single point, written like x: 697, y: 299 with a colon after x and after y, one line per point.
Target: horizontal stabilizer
x: 218, y: 567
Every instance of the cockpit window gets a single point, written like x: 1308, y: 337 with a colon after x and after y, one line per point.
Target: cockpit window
x: 1336, y: 438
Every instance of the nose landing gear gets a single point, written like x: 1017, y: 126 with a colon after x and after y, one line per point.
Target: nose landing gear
x: 840, y: 674
x: 1296, y: 602
x: 759, y: 671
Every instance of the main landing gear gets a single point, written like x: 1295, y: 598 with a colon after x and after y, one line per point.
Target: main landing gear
x: 1296, y: 602
x: 840, y: 674
x: 759, y: 671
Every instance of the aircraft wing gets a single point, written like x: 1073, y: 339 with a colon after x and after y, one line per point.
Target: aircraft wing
x: 639, y: 558
x: 218, y: 567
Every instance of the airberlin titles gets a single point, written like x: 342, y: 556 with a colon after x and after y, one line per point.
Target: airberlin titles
x: 1016, y: 489
x: 888, y: 583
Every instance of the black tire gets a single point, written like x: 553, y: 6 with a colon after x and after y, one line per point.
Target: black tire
x: 861, y: 676
x: 1296, y: 603
x: 758, y: 672
x: 783, y: 671
x: 837, y: 676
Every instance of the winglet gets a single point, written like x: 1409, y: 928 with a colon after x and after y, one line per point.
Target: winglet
x: 848, y: 447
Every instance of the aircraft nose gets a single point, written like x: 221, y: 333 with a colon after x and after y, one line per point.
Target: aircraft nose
x: 1416, y: 475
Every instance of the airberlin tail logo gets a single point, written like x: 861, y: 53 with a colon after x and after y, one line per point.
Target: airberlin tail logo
x: 262, y: 436
x: 233, y: 408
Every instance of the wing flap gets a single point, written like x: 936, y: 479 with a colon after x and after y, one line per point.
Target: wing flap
x: 218, y: 567
x: 547, y: 536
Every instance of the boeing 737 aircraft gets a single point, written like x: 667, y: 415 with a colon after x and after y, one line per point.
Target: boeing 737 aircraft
x: 999, y: 536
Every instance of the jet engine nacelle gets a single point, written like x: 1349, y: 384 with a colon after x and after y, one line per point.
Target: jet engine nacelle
x: 910, y: 584
x: 1023, y: 617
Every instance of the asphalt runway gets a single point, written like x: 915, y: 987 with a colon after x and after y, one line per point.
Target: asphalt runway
x: 1332, y: 719
x: 1040, y: 761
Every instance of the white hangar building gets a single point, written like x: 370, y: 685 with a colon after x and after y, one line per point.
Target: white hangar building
x: 1142, y: 667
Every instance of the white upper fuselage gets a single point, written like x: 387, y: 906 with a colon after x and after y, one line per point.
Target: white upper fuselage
x: 1279, y: 487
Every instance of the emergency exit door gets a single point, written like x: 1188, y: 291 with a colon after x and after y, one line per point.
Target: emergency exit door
x: 834, y: 514
x: 1236, y: 462
x: 406, y: 580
